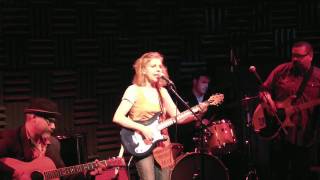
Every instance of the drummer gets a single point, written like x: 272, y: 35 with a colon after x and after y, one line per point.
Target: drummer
x: 199, y: 92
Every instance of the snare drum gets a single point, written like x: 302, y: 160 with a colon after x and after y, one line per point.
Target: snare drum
x: 192, y: 166
x: 222, y: 137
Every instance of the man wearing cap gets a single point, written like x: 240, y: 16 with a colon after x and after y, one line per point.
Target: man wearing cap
x: 33, y: 139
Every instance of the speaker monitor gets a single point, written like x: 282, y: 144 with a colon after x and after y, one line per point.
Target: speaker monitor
x: 73, y: 149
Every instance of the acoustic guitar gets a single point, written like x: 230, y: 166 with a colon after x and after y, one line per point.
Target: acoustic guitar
x: 44, y: 168
x: 135, y: 143
x: 268, y: 127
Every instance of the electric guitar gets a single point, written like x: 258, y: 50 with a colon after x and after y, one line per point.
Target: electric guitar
x: 135, y: 143
x: 43, y: 168
x: 268, y: 127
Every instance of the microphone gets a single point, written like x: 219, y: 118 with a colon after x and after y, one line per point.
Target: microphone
x: 253, y: 70
x: 169, y: 82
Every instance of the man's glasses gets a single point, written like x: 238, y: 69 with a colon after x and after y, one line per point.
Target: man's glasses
x: 299, y: 55
x: 50, y: 120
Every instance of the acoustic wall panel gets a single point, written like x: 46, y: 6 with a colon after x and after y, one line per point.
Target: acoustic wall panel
x: 85, y: 112
x: 63, y: 84
x: 16, y: 86
x: 214, y: 47
x: 238, y: 18
x: 283, y: 14
x: 108, y: 80
x: 260, y: 45
x: 3, y: 53
x: 191, y: 20
x: 187, y: 70
x: 108, y: 139
x: 16, y: 21
x: 146, y: 22
x: 86, y: 52
x: 64, y: 21
x: 106, y: 21
x: 41, y: 52
x: 40, y: 23
x: 3, y: 117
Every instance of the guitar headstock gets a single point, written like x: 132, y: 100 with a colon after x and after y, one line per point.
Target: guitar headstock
x: 115, y: 162
x: 216, y: 99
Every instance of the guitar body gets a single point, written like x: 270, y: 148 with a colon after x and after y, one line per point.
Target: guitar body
x: 266, y: 125
x: 30, y: 170
x: 134, y: 142
x: 43, y: 168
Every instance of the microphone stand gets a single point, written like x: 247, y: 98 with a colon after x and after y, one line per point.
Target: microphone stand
x: 199, y: 174
x: 252, y: 172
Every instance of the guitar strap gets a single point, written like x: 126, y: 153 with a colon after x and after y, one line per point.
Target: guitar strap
x: 303, y: 84
x: 163, y: 113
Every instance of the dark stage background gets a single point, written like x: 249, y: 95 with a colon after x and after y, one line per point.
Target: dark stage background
x: 80, y: 53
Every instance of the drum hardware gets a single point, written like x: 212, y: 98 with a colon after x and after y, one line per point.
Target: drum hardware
x: 252, y: 172
x: 223, y: 139
x: 199, y: 166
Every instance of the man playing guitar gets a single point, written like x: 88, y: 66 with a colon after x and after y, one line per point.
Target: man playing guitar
x: 32, y: 142
x: 289, y: 97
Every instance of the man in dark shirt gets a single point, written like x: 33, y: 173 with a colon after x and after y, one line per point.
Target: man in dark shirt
x: 198, y: 94
x: 291, y: 151
x: 32, y: 141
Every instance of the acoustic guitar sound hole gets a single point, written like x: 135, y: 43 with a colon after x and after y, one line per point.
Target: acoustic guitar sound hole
x: 36, y: 176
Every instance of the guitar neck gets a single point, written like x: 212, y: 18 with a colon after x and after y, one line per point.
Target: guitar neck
x: 66, y: 171
x: 308, y: 105
x: 180, y: 116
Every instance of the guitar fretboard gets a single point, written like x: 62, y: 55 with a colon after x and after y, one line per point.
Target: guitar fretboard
x: 71, y: 170
x: 308, y: 104
x: 180, y: 116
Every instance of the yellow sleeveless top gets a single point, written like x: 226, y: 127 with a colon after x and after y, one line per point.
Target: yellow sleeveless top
x: 142, y: 108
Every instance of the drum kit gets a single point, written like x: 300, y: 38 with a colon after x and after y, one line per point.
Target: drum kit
x: 217, y: 138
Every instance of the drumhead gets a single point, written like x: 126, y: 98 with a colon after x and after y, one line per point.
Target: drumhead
x: 199, y: 166
x: 223, y: 138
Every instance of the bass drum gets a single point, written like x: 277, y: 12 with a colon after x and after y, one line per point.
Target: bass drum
x: 192, y: 166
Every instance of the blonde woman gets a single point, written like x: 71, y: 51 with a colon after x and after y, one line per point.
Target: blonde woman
x: 141, y: 101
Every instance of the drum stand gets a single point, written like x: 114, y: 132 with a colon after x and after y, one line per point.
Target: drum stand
x: 252, y: 172
x: 200, y: 173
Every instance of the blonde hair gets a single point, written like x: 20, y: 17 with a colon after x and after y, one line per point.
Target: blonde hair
x: 140, y: 64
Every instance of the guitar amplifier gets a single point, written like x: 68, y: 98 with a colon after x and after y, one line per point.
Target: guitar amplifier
x: 73, y: 149
x: 116, y: 173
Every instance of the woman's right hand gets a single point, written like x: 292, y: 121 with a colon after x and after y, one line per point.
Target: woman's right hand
x: 147, y: 133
